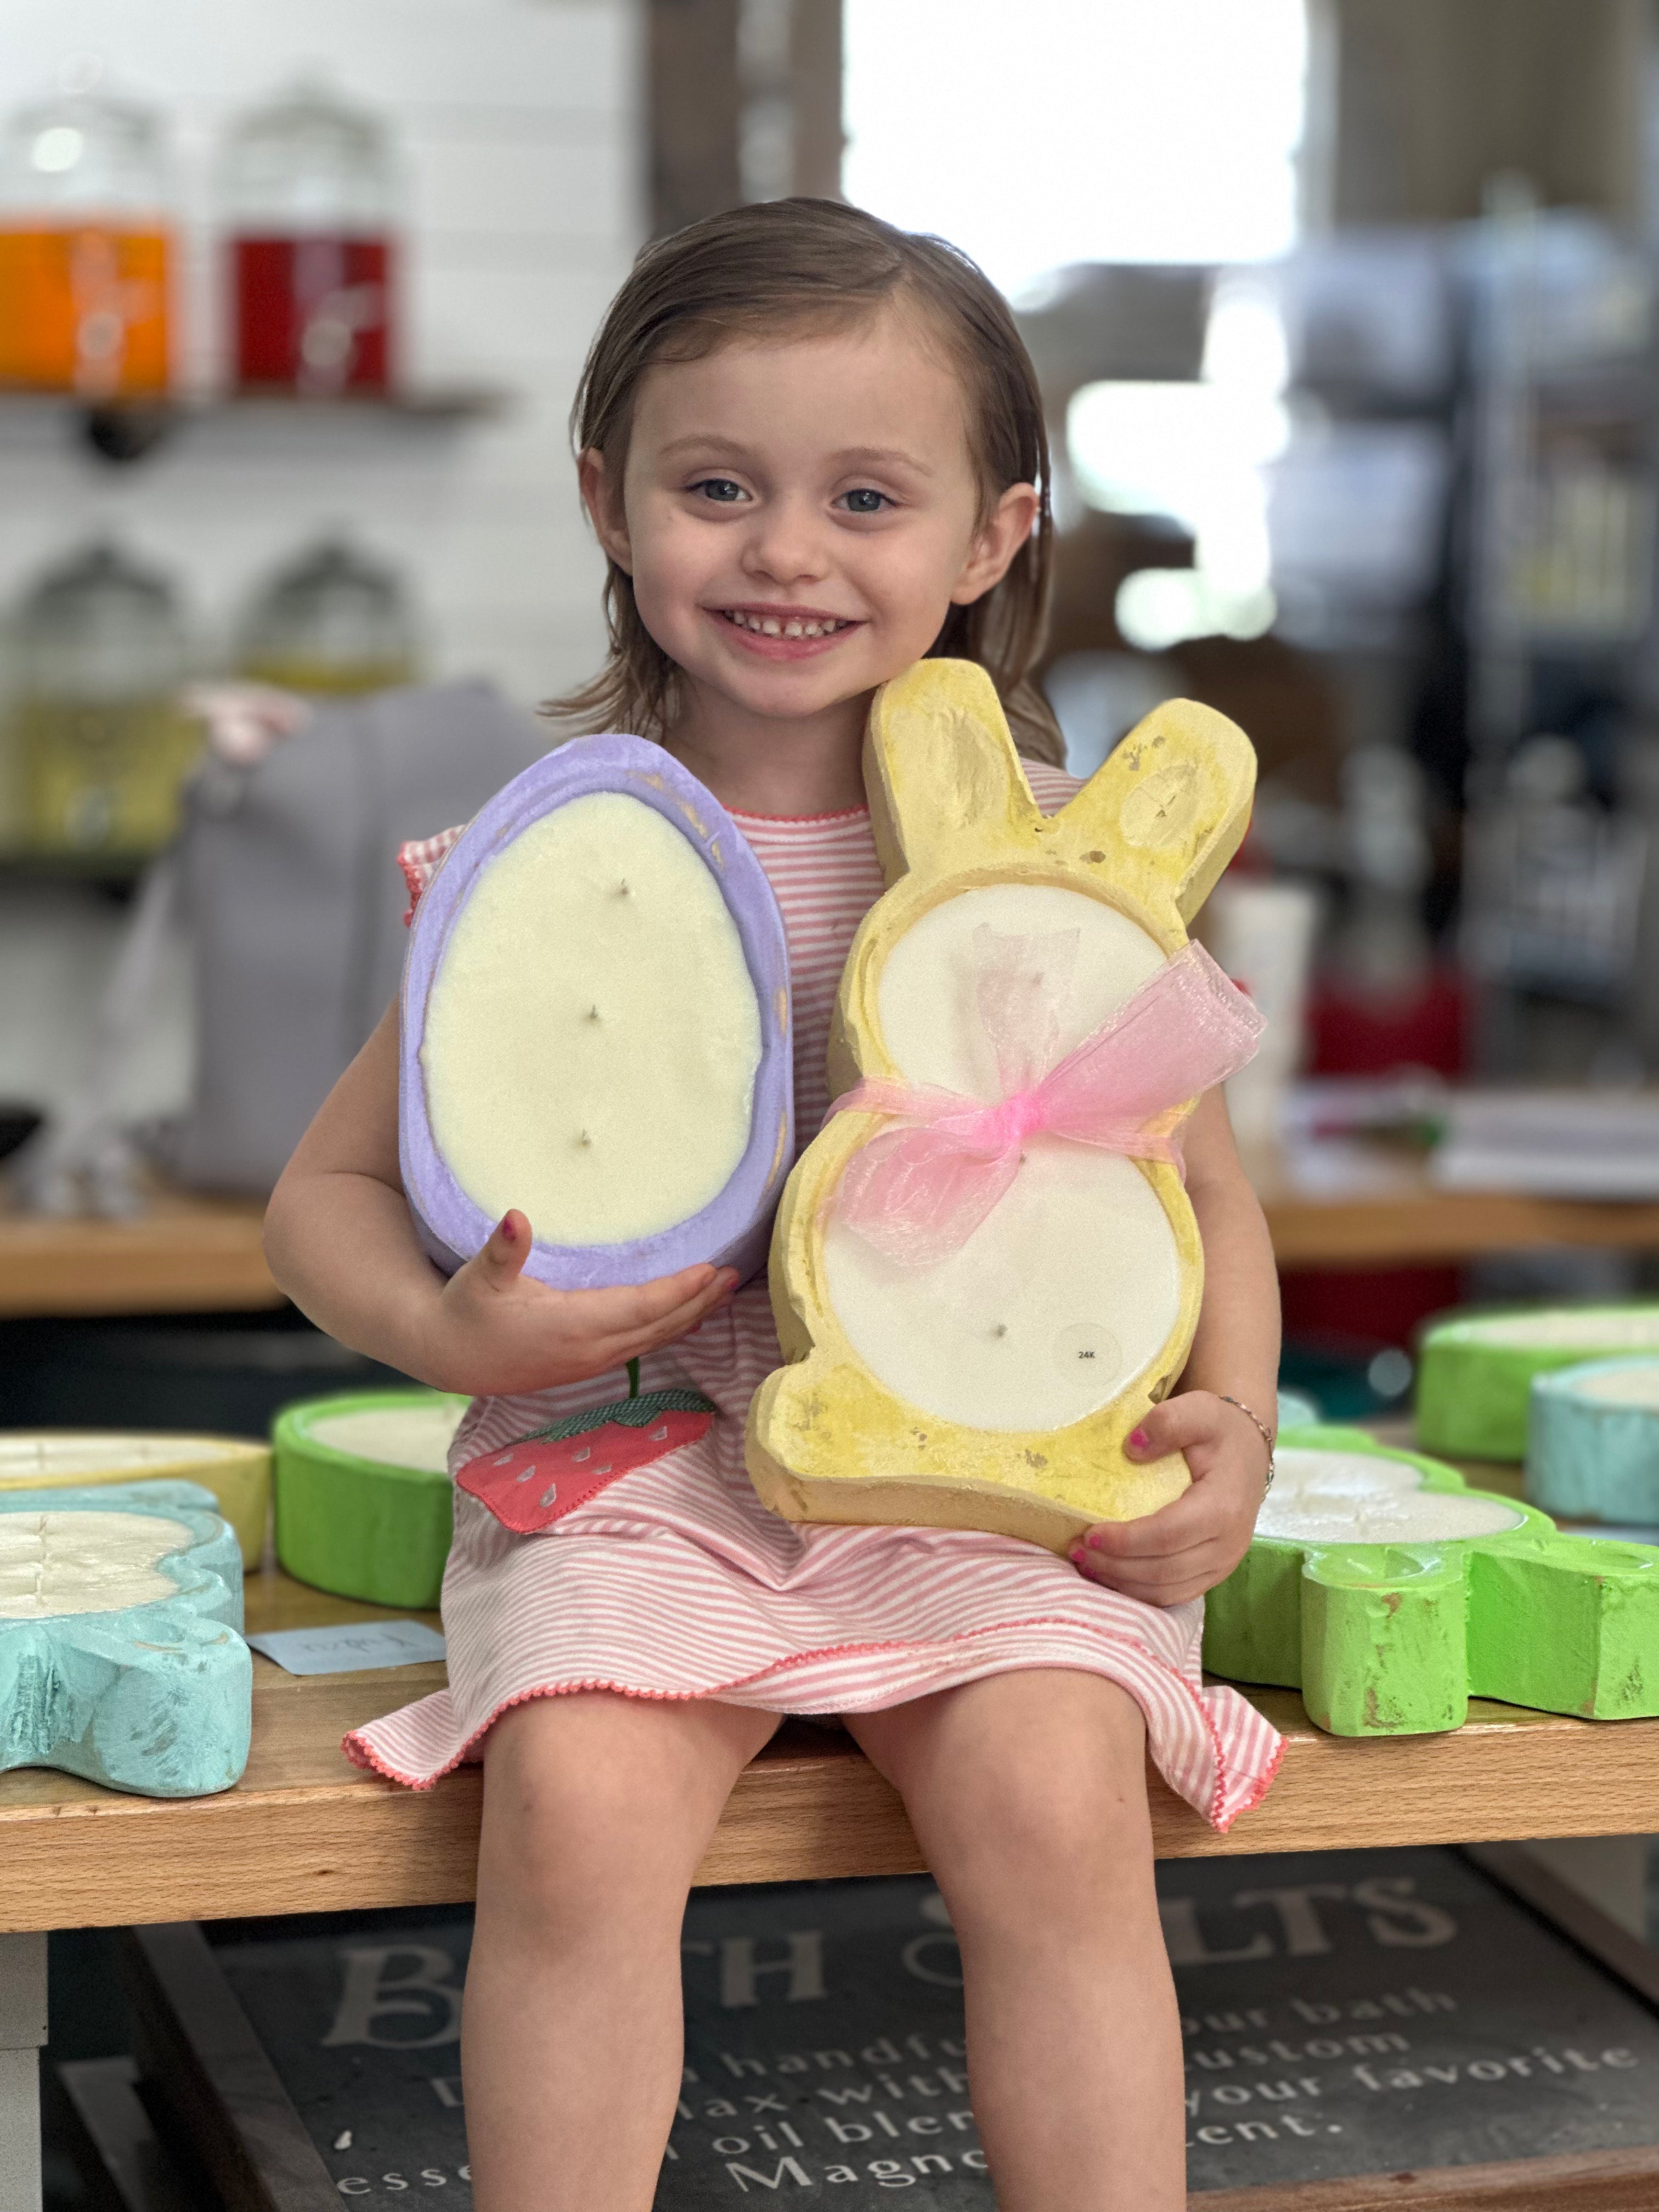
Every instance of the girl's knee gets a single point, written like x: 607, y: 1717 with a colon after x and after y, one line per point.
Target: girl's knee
x: 1044, y: 1814
x: 573, y: 1815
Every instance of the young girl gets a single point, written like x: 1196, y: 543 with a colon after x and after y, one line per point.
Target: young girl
x: 812, y: 449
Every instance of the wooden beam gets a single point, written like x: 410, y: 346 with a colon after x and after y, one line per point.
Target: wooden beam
x: 816, y: 70
x: 693, y: 109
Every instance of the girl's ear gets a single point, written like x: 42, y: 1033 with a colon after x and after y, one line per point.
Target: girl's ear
x: 602, y: 497
x: 997, y: 542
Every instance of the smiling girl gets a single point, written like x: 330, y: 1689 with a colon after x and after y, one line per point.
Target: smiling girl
x: 812, y: 449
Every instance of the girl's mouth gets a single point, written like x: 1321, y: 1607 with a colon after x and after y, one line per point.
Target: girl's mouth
x: 784, y: 632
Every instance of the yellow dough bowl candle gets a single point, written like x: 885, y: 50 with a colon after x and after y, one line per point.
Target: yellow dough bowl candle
x: 985, y: 1269
x: 235, y: 1469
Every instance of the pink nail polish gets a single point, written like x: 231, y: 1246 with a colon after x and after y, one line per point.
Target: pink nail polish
x: 1138, y: 1438
x: 1094, y: 1541
x: 1079, y: 1557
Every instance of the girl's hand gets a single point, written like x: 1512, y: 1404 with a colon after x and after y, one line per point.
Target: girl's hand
x: 496, y: 1330
x: 1187, y: 1547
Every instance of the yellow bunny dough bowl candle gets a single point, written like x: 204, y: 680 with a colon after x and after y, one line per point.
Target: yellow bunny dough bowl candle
x: 992, y: 1385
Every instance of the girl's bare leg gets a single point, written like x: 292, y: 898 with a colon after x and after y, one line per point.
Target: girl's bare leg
x: 596, y: 1810
x: 1028, y: 1794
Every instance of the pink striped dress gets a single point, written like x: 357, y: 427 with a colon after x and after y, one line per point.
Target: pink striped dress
x: 675, y: 1582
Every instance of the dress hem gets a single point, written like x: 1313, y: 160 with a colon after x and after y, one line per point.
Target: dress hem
x: 360, y: 1749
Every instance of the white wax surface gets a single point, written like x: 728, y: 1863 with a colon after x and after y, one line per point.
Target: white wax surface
x: 1070, y: 1287
x: 926, y: 1001
x: 590, y: 1053
x: 99, y: 1453
x: 59, y: 1563
x: 1059, y: 1297
x: 1350, y: 1497
x: 1595, y: 1329
x: 1622, y: 1386
x: 417, y: 1437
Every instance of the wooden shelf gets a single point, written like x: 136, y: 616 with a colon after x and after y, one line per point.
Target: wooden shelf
x: 197, y: 1255
x: 306, y: 1832
x: 132, y: 427
x: 1417, y: 1223
x: 183, y: 1255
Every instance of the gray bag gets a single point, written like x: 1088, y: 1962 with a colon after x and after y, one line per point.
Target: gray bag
x: 284, y: 880
x: 293, y: 901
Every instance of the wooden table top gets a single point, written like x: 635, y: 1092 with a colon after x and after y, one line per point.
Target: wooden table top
x: 200, y: 1256
x: 182, y: 1255
x: 306, y: 1832
x: 1411, y: 1222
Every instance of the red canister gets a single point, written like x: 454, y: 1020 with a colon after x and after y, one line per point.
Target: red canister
x: 309, y: 188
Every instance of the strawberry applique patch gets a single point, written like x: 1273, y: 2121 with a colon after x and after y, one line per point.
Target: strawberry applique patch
x: 529, y: 1484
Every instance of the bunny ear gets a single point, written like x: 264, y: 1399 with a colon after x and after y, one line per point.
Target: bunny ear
x: 941, y: 768
x: 1163, y: 816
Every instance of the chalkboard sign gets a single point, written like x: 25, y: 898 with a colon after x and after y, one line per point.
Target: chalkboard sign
x: 1346, y: 2013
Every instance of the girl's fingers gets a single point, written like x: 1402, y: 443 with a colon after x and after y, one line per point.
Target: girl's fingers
x: 634, y: 1307
x: 1188, y: 1577
x: 501, y: 1260
x: 1191, y: 1418
x: 1191, y: 1519
x: 631, y: 1344
x: 1115, y: 1569
x: 1195, y: 1569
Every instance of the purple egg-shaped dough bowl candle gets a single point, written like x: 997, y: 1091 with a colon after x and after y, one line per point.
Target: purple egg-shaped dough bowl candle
x: 596, y: 1027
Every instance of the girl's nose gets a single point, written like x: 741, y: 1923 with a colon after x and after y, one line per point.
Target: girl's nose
x: 785, y: 544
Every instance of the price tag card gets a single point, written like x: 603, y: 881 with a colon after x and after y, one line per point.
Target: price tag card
x: 350, y: 1648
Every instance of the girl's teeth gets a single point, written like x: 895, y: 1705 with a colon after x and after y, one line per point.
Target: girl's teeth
x: 796, y: 626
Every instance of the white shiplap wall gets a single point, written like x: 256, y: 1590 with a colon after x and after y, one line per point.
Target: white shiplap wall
x: 520, y: 126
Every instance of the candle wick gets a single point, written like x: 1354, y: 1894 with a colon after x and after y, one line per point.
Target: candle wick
x: 592, y: 1013
x: 584, y: 1139
x: 1001, y: 1329
x: 622, y: 888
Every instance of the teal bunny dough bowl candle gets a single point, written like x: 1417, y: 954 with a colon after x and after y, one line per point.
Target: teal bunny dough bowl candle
x: 121, y: 1659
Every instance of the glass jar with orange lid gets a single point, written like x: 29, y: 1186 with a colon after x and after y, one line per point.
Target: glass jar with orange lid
x: 86, y: 249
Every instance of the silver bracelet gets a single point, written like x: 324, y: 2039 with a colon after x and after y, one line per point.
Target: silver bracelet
x: 1261, y: 1430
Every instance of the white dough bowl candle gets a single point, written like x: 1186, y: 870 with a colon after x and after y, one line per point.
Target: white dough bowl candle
x: 985, y: 1269
x: 596, y: 1027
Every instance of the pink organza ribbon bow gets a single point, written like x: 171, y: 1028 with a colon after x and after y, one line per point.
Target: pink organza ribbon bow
x: 918, y: 1193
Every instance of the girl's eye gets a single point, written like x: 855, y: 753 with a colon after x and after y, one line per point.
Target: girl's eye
x: 720, y: 489
x: 865, y: 501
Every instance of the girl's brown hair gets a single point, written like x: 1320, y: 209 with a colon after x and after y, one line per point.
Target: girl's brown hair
x: 817, y: 263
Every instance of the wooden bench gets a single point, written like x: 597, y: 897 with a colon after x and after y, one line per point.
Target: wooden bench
x: 306, y: 1832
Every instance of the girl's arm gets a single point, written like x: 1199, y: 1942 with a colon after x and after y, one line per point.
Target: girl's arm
x: 340, y: 1241
x: 1190, y: 1546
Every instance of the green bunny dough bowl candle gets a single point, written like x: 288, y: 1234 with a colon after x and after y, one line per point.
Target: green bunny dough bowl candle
x: 993, y: 1388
